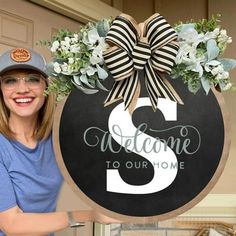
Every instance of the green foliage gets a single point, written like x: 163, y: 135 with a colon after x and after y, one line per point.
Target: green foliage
x: 61, y: 86
x: 204, y: 25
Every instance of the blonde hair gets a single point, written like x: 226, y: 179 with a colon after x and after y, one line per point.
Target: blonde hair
x: 45, y: 118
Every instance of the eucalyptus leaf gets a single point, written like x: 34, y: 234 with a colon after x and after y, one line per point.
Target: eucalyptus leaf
x: 227, y: 63
x: 99, y: 85
x: 85, y: 90
x: 84, y: 79
x: 186, y: 27
x: 103, y: 27
x: 102, y: 74
x: 76, y: 79
x: 212, y: 49
x: 206, y: 85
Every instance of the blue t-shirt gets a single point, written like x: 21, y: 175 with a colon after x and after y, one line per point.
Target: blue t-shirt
x: 29, y: 177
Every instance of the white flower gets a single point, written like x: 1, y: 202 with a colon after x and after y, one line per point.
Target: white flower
x: 67, y: 39
x: 216, y: 31
x: 71, y: 60
x: 190, y: 35
x: 209, y: 66
x: 65, y: 48
x: 217, y: 70
x: 223, y: 37
x: 229, y: 40
x: 186, y: 54
x: 56, y: 67
x: 223, y: 75
x: 76, y: 36
x: 55, y: 46
x: 227, y: 86
x: 97, y: 56
x: 64, y: 67
x: 94, y: 59
x: 196, y: 67
x: 212, y: 34
x: 93, y: 36
x: 65, y: 45
x: 74, y: 48
x: 89, y: 70
x: 74, y: 40
x: 223, y: 32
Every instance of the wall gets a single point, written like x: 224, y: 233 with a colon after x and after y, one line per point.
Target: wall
x: 172, y: 10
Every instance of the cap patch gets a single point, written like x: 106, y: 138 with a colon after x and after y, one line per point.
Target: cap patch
x: 20, y: 55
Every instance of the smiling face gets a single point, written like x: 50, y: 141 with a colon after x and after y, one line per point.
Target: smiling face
x: 23, y: 92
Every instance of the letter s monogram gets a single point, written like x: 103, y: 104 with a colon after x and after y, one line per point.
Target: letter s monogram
x: 163, y: 177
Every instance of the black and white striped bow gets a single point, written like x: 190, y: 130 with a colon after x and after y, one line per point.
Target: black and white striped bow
x: 150, y: 46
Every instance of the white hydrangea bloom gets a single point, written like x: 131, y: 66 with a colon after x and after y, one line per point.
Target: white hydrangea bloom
x: 217, y: 70
x: 55, y: 46
x: 75, y: 48
x: 227, y: 86
x: 212, y: 35
x: 65, y: 45
x: 97, y: 56
x: 75, y: 38
x: 71, y: 60
x: 67, y: 39
x: 222, y: 75
x: 64, y: 67
x: 223, y: 37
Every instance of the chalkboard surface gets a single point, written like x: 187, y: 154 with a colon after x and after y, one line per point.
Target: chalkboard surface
x: 88, y: 154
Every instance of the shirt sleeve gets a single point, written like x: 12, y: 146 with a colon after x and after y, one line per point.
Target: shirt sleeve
x: 7, y: 193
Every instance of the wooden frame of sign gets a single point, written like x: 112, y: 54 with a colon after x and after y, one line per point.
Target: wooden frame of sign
x: 145, y: 219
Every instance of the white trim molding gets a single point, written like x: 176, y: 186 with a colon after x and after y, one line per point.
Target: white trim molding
x: 214, y: 205
x: 80, y: 10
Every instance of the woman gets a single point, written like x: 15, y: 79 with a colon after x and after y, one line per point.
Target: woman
x: 29, y: 177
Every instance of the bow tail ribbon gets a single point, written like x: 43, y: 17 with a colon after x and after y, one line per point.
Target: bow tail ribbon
x: 127, y: 89
x: 158, y: 87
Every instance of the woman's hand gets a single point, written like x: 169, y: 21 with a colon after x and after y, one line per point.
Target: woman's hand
x: 93, y: 216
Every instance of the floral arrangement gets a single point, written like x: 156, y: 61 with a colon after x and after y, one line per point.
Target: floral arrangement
x: 199, y: 61
x: 78, y: 57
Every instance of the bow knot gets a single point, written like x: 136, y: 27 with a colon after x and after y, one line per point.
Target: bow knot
x: 150, y: 46
x: 141, y: 54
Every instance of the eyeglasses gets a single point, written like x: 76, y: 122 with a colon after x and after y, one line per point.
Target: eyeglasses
x: 32, y: 81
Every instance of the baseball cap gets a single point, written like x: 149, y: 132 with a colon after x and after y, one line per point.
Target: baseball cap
x: 22, y: 58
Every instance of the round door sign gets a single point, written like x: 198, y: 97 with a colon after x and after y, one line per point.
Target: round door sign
x: 152, y: 165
